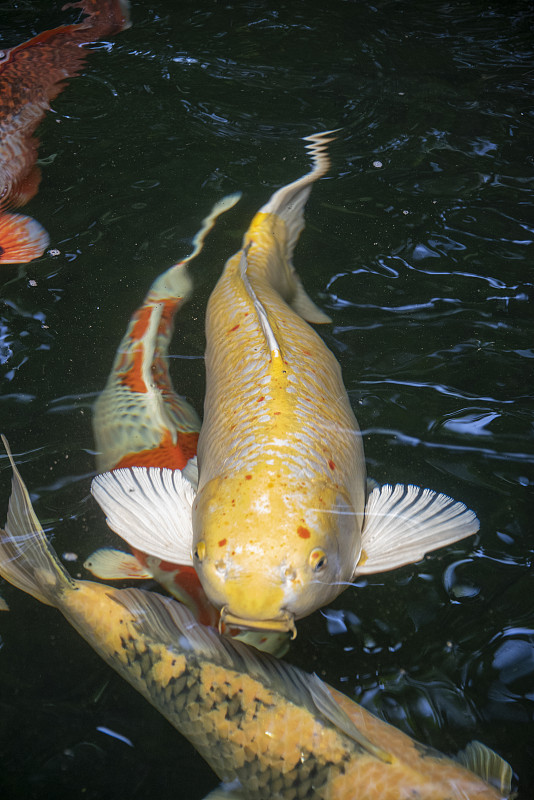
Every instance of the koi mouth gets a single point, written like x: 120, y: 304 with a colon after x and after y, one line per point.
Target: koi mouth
x: 283, y: 624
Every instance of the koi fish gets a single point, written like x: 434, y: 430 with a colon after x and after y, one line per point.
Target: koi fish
x: 31, y: 75
x: 282, y: 520
x: 139, y: 420
x: 268, y: 730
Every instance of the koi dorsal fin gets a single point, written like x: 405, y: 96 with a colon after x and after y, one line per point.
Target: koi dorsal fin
x: 270, y: 338
x: 169, y: 622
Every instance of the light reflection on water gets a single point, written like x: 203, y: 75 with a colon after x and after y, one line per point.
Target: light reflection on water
x: 423, y: 263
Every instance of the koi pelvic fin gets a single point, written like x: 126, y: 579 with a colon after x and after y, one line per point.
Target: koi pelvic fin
x: 305, y: 307
x: 403, y: 523
x: 113, y: 565
x: 22, y: 239
x: 149, y: 508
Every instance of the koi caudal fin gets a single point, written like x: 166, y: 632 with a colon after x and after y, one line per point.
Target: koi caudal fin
x: 139, y: 419
x: 21, y: 239
x: 289, y: 201
x: 26, y: 559
x: 287, y: 204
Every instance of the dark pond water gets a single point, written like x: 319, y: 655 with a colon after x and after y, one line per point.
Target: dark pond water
x: 419, y: 245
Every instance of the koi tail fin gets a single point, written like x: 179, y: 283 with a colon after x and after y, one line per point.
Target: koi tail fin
x: 288, y: 204
x: 103, y: 19
x: 170, y: 283
x: 21, y: 239
x: 26, y: 559
x: 139, y: 419
x: 289, y: 201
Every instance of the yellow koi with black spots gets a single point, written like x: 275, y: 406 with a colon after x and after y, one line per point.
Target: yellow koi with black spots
x: 270, y: 730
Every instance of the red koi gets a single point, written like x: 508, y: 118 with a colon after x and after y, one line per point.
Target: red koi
x: 31, y: 75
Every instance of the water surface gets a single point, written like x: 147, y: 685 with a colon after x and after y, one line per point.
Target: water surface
x: 418, y: 244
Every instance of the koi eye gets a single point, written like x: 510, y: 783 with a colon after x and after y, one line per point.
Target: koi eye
x: 318, y: 559
x: 200, y: 551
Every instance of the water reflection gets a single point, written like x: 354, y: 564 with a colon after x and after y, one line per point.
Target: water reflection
x: 423, y: 264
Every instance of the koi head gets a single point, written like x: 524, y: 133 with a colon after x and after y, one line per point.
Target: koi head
x: 276, y: 557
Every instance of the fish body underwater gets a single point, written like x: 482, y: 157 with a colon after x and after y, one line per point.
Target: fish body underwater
x: 140, y: 421
x: 269, y: 730
x: 281, y: 521
x: 31, y: 75
x: 281, y: 464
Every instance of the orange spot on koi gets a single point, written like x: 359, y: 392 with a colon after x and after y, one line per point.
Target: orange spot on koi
x: 188, y: 583
x: 331, y: 464
x: 166, y: 455
x: 234, y: 328
x: 303, y: 532
x: 222, y: 542
x: 141, y: 323
x: 132, y: 377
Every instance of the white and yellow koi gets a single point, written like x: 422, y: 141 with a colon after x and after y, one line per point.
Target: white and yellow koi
x: 280, y: 522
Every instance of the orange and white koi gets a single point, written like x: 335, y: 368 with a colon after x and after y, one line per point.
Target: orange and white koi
x: 269, y: 729
x: 139, y: 420
x: 31, y: 75
x: 280, y: 522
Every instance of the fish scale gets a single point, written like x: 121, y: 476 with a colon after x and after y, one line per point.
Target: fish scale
x: 319, y: 406
x: 203, y: 694
x: 283, y: 734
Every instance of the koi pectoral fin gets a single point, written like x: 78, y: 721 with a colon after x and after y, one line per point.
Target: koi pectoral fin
x: 113, y: 565
x: 149, y: 508
x: 403, y: 523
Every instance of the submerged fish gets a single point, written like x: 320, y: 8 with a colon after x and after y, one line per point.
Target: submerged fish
x: 270, y: 730
x: 31, y: 75
x: 280, y: 522
x: 139, y: 420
